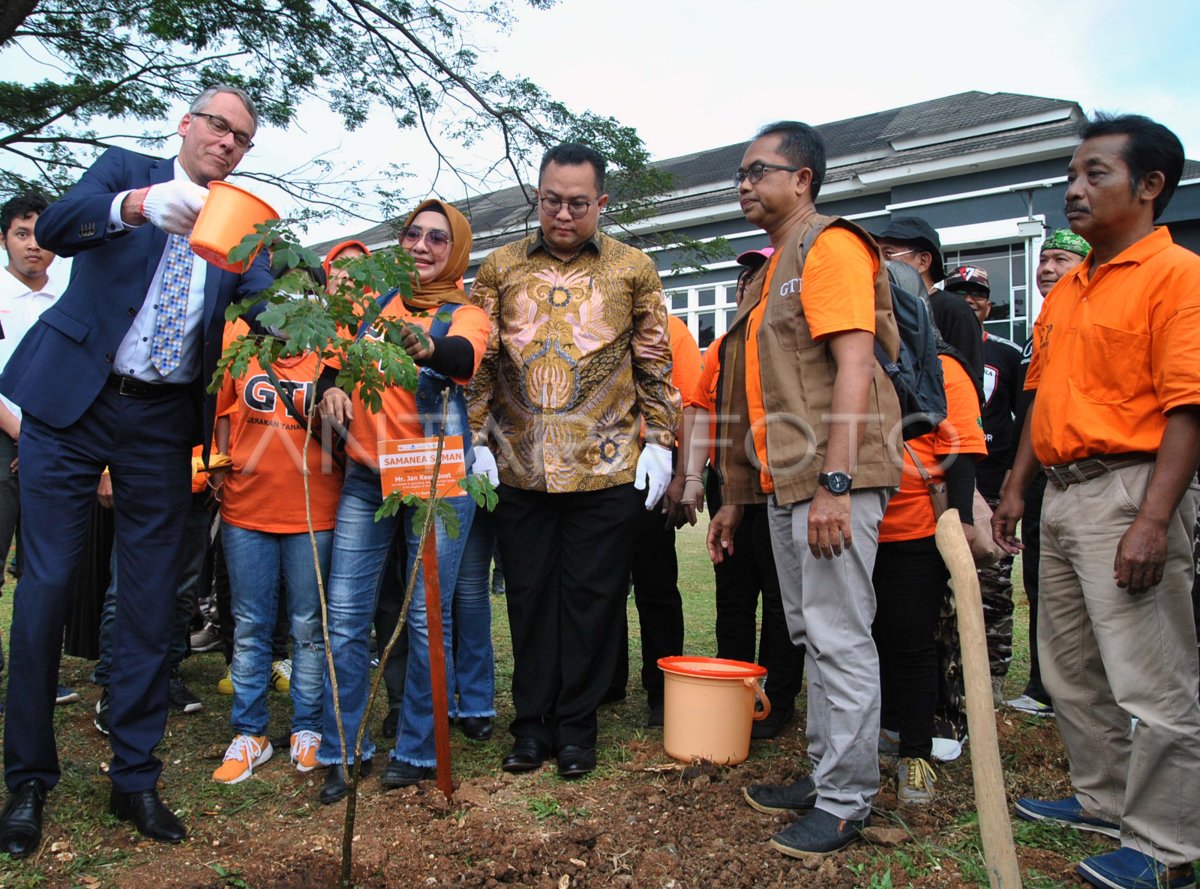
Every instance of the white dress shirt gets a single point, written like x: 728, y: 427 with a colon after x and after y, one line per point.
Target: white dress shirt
x: 20, y: 307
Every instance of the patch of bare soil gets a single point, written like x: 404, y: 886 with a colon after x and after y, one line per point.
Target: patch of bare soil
x: 644, y: 823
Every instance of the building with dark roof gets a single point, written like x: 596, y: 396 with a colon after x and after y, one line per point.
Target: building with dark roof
x: 987, y: 170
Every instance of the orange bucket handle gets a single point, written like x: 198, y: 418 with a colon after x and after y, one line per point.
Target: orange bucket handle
x: 755, y: 686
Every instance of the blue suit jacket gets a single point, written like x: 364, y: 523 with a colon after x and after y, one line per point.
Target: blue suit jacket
x: 63, y: 362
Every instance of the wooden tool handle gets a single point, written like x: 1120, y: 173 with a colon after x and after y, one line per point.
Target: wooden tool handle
x: 995, y: 829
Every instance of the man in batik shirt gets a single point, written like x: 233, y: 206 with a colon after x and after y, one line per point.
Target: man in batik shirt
x: 578, y: 358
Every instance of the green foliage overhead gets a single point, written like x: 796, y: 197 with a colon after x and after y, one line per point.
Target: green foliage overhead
x: 102, y: 71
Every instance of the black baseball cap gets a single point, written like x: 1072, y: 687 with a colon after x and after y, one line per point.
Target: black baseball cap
x: 918, y: 231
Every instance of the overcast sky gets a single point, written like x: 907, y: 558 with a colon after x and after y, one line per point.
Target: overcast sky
x: 696, y: 75
x: 700, y: 74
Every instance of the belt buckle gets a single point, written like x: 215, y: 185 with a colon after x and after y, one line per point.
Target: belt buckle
x: 1055, y: 474
x: 1075, y: 468
x: 132, y: 388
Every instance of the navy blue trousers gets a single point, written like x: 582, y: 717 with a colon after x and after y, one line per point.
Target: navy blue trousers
x: 146, y: 443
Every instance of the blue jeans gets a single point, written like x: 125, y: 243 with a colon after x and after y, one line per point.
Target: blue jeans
x: 474, y: 668
x: 360, y: 549
x: 255, y: 561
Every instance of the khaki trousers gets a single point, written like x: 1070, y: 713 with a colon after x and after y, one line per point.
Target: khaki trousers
x: 1108, y: 655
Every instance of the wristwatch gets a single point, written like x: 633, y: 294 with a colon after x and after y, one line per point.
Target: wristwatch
x: 835, y: 482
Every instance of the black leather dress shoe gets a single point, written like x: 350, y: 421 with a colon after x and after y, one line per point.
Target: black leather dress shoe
x: 772, y: 725
x: 337, y: 785
x: 21, y: 821
x: 147, y: 813
x: 575, y: 761
x: 403, y: 774
x: 477, y: 728
x: 527, y: 754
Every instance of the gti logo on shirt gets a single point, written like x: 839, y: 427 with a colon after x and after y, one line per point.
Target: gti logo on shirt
x: 260, y: 395
x: 787, y: 288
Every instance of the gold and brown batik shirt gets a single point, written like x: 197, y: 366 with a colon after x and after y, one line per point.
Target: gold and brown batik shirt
x: 578, y: 356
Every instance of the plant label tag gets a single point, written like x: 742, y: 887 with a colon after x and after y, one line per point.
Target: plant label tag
x: 406, y: 466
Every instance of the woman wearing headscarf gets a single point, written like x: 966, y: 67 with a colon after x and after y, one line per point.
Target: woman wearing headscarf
x: 447, y: 352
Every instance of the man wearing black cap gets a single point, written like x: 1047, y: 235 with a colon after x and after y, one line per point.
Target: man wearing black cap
x: 914, y: 242
x: 1003, y: 378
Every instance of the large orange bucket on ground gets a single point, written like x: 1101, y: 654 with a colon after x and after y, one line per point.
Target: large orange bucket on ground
x: 709, y: 707
x: 228, y: 215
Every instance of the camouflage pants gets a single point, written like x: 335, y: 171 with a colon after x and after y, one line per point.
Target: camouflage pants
x: 950, y: 714
x: 996, y: 589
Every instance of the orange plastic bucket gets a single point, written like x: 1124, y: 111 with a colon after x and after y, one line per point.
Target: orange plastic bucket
x: 228, y: 215
x: 709, y: 707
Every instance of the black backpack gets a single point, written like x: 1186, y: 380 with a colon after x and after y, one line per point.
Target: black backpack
x: 916, y: 373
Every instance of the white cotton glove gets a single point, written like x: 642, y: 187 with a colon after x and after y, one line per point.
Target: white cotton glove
x: 653, y: 473
x: 485, y: 464
x: 173, y: 206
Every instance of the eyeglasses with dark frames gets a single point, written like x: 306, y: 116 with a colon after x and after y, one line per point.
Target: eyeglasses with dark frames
x: 221, y: 128
x: 436, y: 239
x: 577, y: 207
x: 757, y: 170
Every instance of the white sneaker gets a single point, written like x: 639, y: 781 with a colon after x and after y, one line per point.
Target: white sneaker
x: 947, y: 749
x: 1032, y: 706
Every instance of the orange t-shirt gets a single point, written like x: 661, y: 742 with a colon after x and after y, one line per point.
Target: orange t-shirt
x: 705, y: 394
x: 399, y: 418
x: 909, y: 514
x: 685, y: 360
x: 838, y: 294
x: 265, y: 489
x: 1112, y: 355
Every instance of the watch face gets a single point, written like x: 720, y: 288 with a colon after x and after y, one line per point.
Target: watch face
x: 837, y: 482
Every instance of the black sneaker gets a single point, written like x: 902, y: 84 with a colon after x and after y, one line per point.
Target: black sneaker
x: 776, y: 799
x: 101, y: 718
x: 818, y: 833
x: 180, y: 697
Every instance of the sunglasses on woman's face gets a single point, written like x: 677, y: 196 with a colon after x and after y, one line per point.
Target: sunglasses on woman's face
x: 435, y: 239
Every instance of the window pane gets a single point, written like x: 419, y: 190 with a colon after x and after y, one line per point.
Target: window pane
x: 706, y: 297
x: 730, y: 314
x: 679, y: 300
x: 707, y: 322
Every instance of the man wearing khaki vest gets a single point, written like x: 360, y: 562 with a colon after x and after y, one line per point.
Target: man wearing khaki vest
x: 816, y: 410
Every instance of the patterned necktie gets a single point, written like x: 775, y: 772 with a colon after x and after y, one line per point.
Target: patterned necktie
x: 166, y: 349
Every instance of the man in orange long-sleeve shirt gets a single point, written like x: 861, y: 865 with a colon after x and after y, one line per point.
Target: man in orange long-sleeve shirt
x: 1116, y: 422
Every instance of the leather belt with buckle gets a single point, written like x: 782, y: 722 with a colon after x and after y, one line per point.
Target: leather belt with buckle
x: 139, y: 389
x: 1066, y: 474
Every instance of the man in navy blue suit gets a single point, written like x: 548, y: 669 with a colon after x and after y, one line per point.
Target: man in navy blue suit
x: 113, y: 375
